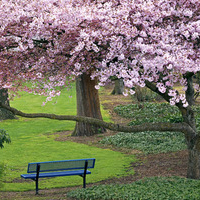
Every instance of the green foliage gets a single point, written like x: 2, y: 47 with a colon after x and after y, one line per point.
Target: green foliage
x: 154, y: 112
x: 148, y: 142
x: 146, y: 189
x: 4, y: 137
x: 149, y: 112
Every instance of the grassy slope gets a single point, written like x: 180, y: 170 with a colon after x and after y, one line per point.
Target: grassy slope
x: 32, y: 142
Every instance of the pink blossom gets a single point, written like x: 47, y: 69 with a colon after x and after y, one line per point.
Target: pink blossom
x: 97, y: 87
x: 172, y: 102
x: 132, y: 92
x: 125, y: 93
x: 185, y: 104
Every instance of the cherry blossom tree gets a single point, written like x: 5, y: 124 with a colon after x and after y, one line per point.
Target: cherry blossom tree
x: 153, y: 43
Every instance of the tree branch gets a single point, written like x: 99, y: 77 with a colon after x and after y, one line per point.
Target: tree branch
x: 187, y: 112
x: 190, y: 89
x: 153, y: 87
x: 178, y: 127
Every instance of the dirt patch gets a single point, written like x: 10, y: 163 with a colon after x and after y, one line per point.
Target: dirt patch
x: 164, y: 164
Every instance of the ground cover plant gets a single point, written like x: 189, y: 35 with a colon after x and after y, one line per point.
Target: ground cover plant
x: 149, y: 112
x: 146, y: 189
x: 150, y: 141
x: 34, y: 140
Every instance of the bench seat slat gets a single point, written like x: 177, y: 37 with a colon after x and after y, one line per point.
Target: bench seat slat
x: 54, y: 174
x: 60, y: 165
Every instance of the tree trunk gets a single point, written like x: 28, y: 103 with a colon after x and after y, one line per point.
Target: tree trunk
x: 192, y: 137
x: 88, y: 105
x: 4, y: 113
x: 193, y: 171
x: 193, y: 143
x: 119, y: 87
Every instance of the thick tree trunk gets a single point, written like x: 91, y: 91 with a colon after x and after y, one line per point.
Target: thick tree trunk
x: 87, y: 105
x: 4, y: 113
x: 119, y: 87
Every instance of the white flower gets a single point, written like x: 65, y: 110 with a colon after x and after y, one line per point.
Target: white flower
x: 121, y: 57
x: 97, y: 87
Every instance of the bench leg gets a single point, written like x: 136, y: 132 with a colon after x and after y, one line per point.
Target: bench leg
x: 84, y: 181
x: 84, y: 175
x: 37, y: 177
x: 36, y: 188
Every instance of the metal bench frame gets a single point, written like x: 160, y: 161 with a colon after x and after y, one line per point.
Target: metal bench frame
x: 78, y: 169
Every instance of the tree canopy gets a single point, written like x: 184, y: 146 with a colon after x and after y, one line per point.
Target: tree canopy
x: 141, y: 41
x: 153, y: 43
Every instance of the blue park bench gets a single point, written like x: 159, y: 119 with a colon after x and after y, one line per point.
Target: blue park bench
x: 79, y: 167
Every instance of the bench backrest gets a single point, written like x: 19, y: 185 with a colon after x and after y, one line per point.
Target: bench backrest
x: 61, y: 165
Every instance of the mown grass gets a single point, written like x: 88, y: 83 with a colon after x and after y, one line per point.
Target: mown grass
x: 33, y: 140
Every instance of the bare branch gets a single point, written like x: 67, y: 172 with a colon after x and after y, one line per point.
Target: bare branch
x: 178, y: 127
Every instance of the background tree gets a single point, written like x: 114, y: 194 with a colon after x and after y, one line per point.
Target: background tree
x: 5, y: 114
x: 119, y: 86
x: 153, y: 43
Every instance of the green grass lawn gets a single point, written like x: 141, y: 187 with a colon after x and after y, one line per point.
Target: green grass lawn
x: 32, y: 141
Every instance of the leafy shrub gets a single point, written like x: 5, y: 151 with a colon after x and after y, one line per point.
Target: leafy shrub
x: 148, y: 188
x: 4, y: 137
x: 148, y: 142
